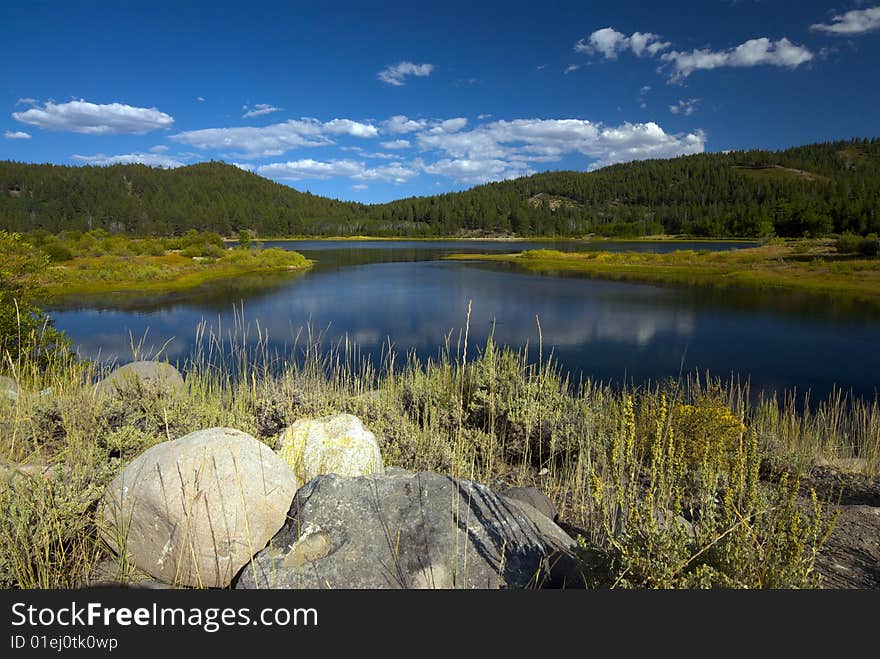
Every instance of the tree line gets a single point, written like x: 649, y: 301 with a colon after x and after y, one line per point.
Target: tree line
x: 812, y: 190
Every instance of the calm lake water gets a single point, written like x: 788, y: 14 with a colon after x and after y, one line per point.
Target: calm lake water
x: 373, y: 292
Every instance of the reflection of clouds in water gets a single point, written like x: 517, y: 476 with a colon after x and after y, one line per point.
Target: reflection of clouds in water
x: 601, y: 328
x: 627, y: 326
x: 416, y: 305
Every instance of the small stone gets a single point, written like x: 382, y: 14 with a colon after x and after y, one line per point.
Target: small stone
x: 337, y: 444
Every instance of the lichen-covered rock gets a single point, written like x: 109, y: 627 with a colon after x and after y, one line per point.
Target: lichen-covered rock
x: 151, y: 373
x: 535, y: 498
x: 411, y: 530
x: 337, y: 444
x: 194, y: 510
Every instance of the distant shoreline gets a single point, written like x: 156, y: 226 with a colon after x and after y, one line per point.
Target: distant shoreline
x: 528, y: 239
x: 809, y: 266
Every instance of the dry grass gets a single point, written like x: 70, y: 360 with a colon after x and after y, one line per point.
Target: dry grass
x: 661, y: 482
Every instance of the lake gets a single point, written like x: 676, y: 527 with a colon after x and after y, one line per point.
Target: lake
x: 373, y: 292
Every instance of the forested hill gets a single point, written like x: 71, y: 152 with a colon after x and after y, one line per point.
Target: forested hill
x: 810, y: 190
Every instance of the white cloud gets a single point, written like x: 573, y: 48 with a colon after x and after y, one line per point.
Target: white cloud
x: 308, y: 168
x: 685, y: 107
x: 754, y: 52
x: 275, y: 139
x: 27, y: 101
x: 359, y: 187
x: 244, y: 165
x: 402, y: 124
x: 502, y: 149
x: 16, y: 135
x: 395, y: 172
x: 259, y: 110
x: 450, y: 125
x: 396, y: 75
x: 94, y: 119
x: 380, y: 155
x: 396, y: 144
x: 467, y: 170
x: 151, y: 159
x: 480, y: 117
x: 571, y: 68
x: 159, y: 148
x: 857, y: 21
x: 200, y: 99
x: 609, y: 42
x: 349, y: 127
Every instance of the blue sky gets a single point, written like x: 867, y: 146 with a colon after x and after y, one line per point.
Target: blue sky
x: 376, y: 101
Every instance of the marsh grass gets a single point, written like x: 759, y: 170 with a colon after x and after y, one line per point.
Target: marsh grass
x: 809, y: 266
x: 98, y: 262
x: 662, y: 484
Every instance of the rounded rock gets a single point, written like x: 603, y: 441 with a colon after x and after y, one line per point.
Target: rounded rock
x: 337, y: 444
x: 193, y: 511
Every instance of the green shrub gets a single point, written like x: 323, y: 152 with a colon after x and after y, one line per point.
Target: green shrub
x: 849, y: 243
x: 57, y: 251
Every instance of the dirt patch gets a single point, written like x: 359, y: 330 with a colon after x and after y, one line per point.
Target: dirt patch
x: 851, y: 557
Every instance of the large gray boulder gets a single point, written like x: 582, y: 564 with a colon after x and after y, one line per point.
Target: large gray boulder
x: 151, y: 373
x: 194, y: 510
x: 411, y: 530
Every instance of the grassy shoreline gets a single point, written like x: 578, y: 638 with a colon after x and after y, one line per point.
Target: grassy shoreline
x: 167, y: 273
x: 809, y: 267
x: 42, y: 266
x: 691, y: 449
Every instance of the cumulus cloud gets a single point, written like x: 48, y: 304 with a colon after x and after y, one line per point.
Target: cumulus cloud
x: 151, y: 159
x: 259, y: 110
x: 308, y: 168
x: 451, y: 148
x: 608, y: 42
x: 95, y: 119
x: 27, y: 101
x: 159, y: 148
x: 275, y: 139
x: 16, y: 135
x: 397, y: 74
x: 349, y: 127
x: 857, y: 21
x: 450, y: 125
x: 396, y: 144
x: 754, y: 52
x: 467, y: 170
x: 402, y: 124
x: 505, y: 149
x: 685, y: 107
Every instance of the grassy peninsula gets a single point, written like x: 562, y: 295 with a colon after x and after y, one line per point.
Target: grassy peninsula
x: 96, y: 262
x: 817, y: 266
